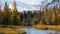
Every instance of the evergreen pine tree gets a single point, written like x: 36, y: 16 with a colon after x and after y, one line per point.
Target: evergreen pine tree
x: 6, y: 14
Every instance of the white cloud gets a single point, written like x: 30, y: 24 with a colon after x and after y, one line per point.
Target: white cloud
x: 10, y: 6
x: 22, y: 9
x: 32, y: 2
x: 33, y: 8
x: 18, y: 7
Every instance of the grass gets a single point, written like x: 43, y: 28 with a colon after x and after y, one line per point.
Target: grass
x: 48, y: 27
x: 11, y: 31
x: 41, y: 27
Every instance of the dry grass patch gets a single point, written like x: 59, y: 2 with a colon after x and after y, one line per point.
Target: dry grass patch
x: 49, y: 27
x: 10, y: 31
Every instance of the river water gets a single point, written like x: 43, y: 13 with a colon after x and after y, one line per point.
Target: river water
x: 35, y: 31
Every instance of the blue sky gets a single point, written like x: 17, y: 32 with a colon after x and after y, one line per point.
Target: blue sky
x: 33, y: 2
x: 26, y: 4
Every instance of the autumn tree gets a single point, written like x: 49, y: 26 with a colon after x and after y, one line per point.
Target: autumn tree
x: 59, y: 15
x: 15, y: 16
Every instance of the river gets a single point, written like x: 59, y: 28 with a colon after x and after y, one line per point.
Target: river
x: 36, y: 31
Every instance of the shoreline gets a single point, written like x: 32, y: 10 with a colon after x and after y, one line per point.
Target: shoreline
x: 10, y: 29
x: 40, y: 27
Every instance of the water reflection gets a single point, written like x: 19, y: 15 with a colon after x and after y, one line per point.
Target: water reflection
x: 35, y: 31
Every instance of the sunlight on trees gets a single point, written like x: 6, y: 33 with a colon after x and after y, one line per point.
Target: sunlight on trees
x: 13, y: 17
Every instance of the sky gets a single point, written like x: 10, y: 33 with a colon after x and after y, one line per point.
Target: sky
x: 26, y: 4
x: 33, y: 2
